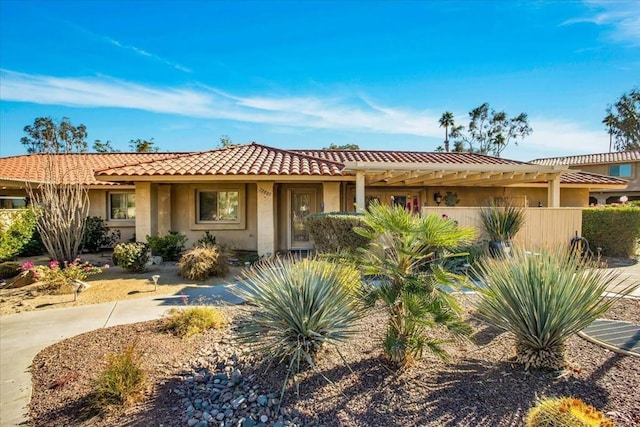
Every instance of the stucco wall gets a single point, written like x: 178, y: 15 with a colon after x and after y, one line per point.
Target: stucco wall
x: 183, y: 216
x: 634, y: 181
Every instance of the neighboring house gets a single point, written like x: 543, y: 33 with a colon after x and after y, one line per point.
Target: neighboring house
x: 624, y: 164
x: 255, y: 197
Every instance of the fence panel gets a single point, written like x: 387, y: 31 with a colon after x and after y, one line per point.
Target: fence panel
x: 544, y: 227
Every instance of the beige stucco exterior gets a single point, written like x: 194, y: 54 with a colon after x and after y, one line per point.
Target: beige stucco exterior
x: 608, y: 196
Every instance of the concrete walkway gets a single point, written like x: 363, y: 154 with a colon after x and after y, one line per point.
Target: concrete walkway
x: 23, y: 335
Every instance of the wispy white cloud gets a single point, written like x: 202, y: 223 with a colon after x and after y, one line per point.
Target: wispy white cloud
x: 205, y: 102
x: 144, y: 53
x: 355, y: 113
x: 623, y: 18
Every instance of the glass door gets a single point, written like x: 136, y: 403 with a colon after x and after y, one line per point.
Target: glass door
x: 303, y: 203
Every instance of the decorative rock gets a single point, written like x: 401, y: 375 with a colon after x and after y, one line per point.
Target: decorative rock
x: 263, y: 400
x: 237, y: 402
x: 192, y: 422
x: 220, y: 416
x: 264, y: 418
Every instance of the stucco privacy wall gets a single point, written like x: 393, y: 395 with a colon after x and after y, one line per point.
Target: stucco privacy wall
x: 183, y: 216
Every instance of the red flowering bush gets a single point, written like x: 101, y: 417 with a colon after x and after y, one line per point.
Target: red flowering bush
x: 58, y: 277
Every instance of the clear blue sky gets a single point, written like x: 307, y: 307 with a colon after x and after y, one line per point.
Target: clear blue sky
x: 307, y: 74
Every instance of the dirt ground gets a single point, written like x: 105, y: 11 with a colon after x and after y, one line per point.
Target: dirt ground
x: 113, y: 284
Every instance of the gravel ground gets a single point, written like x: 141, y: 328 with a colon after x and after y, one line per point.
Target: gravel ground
x: 478, y: 386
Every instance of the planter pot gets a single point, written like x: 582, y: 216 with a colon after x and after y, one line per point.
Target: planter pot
x: 499, y: 249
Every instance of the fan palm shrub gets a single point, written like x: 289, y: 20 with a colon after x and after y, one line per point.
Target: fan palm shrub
x: 543, y: 299
x: 406, y: 255
x: 303, y: 305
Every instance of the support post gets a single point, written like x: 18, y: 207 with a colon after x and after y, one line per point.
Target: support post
x: 553, y: 193
x: 144, y: 220
x: 360, y: 191
x: 266, y: 219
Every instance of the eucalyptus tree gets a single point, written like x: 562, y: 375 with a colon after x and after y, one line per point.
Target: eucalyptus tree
x: 623, y: 120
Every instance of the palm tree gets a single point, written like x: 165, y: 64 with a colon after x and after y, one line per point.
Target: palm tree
x: 610, y: 121
x: 446, y: 121
x: 405, y: 255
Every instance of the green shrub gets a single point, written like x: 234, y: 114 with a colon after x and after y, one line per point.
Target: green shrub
x: 543, y: 299
x: 203, y: 262
x: 302, y: 306
x: 34, y: 246
x: 333, y: 232
x: 194, y: 320
x: 565, y: 412
x: 614, y: 229
x: 123, y: 381
x: 404, y: 254
x: 168, y: 247
x: 207, y: 240
x: 97, y: 235
x: 132, y: 257
x: 15, y: 232
x: 9, y: 269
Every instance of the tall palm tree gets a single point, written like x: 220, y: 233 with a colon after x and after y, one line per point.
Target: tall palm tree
x: 610, y: 121
x: 446, y: 121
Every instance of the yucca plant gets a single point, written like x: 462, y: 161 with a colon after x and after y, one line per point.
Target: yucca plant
x: 303, y: 305
x: 543, y: 299
x: 502, y: 221
x: 404, y: 255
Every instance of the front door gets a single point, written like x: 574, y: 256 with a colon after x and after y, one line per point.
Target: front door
x: 302, y: 202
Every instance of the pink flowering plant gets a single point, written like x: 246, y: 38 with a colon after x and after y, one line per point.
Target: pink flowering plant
x: 59, y: 276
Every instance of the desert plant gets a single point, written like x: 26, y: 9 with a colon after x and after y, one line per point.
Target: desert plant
x: 303, y: 305
x: 61, y: 204
x: 132, y: 257
x: 614, y: 229
x: 543, y: 299
x: 194, y: 320
x: 207, y: 240
x: 9, y: 269
x: 202, y: 262
x: 15, y: 232
x: 502, y: 221
x: 59, y: 276
x: 413, y: 286
x: 168, y: 246
x: 97, y: 235
x: 565, y: 412
x: 123, y: 381
x: 333, y: 232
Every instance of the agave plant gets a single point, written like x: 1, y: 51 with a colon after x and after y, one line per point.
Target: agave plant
x: 543, y: 299
x: 413, y: 286
x: 303, y: 305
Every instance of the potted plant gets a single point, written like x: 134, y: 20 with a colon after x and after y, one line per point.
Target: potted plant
x: 501, y: 222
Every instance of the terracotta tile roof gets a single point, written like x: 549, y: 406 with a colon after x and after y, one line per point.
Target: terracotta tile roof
x: 33, y: 167
x: 250, y: 159
x: 591, y: 159
x: 590, y: 178
x: 406, y: 157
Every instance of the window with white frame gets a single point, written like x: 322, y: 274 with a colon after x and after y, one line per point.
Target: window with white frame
x: 622, y: 170
x: 122, y: 206
x: 218, y: 206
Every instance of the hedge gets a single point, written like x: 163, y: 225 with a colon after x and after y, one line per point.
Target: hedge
x: 333, y: 232
x: 614, y: 229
